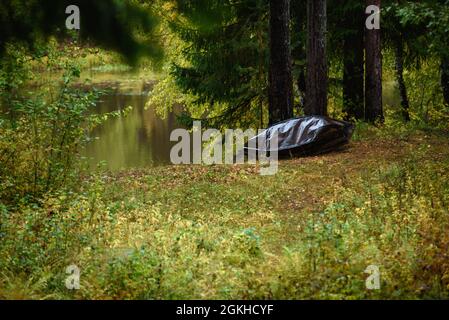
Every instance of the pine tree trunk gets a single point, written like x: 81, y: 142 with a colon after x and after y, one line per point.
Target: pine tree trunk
x: 399, y: 64
x: 301, y: 83
x: 316, y: 82
x: 299, y: 52
x: 353, y: 66
x: 373, y: 75
x: 280, y: 93
x: 445, y: 79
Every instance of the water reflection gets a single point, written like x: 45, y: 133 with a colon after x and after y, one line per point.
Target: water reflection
x: 140, y: 139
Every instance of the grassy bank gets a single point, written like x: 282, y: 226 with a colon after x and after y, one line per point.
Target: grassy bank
x: 187, y: 232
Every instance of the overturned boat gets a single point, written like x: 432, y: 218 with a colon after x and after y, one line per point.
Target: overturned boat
x: 302, y: 136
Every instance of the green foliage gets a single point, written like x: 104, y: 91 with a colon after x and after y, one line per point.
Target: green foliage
x: 425, y: 19
x: 228, y: 233
x: 43, y: 129
x: 426, y: 97
x: 216, y: 232
x: 424, y: 92
x: 118, y: 25
x: 219, y: 64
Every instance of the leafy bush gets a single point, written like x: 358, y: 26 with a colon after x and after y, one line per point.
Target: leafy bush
x: 43, y: 127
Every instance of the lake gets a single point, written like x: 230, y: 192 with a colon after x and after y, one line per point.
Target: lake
x: 142, y: 138
x: 139, y: 139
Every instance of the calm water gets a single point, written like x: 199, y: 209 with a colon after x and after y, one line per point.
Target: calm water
x: 140, y: 139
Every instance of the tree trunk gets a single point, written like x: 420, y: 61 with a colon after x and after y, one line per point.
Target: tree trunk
x: 399, y: 64
x: 353, y: 66
x: 445, y: 79
x: 299, y: 50
x: 301, y: 82
x: 280, y: 93
x: 373, y: 75
x: 316, y: 82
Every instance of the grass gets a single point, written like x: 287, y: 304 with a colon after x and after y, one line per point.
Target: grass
x: 225, y: 232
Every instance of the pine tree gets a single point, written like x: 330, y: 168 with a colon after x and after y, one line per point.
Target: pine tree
x: 399, y: 66
x: 299, y: 40
x: 353, y: 60
x: 227, y: 59
x: 317, y: 81
x: 445, y: 79
x: 280, y: 75
x: 373, y: 72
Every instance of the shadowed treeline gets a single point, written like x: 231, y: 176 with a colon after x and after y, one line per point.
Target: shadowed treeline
x: 111, y: 24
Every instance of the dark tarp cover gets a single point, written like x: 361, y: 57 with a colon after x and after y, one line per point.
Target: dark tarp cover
x: 303, y: 136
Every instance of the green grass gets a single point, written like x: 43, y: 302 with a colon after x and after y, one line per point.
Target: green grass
x: 225, y: 232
